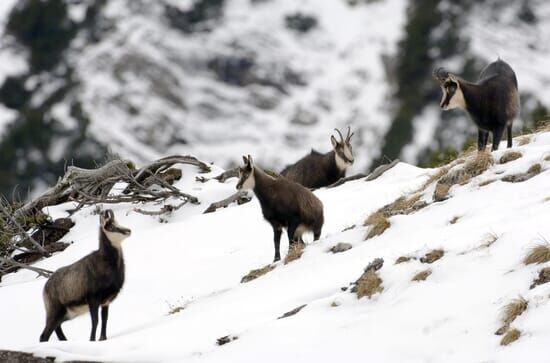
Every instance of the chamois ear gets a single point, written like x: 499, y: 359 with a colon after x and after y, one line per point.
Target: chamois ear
x: 245, y: 160
x: 333, y: 141
x: 250, y: 161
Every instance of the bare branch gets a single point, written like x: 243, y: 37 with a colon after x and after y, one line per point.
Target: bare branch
x: 240, y: 197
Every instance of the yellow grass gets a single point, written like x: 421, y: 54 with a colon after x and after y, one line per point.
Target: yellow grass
x: 422, y: 275
x: 538, y: 254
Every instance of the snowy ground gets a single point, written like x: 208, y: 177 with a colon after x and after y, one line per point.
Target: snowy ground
x: 197, y: 261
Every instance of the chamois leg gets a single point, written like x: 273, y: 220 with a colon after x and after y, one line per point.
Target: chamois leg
x: 104, y: 317
x: 509, y: 134
x: 59, y: 333
x: 53, y: 320
x: 291, y: 232
x: 317, y: 233
x: 497, y: 135
x: 277, y: 231
x: 94, y: 309
x: 482, y: 137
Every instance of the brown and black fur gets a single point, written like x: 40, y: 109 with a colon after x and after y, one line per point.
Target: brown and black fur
x: 492, y: 102
x: 318, y: 170
x: 91, y: 282
x: 284, y: 203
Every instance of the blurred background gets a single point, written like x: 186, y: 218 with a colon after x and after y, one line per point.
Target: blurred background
x: 82, y: 79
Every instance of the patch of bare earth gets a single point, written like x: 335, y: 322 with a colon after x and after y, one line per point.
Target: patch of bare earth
x: 422, y: 275
x: 295, y: 251
x: 543, y: 278
x: 254, y: 274
x: 369, y: 283
x: 432, y: 256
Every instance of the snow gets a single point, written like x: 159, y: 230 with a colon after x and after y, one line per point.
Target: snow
x: 197, y: 260
x: 142, y: 57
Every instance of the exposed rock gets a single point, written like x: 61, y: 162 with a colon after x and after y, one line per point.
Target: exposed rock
x: 341, y: 247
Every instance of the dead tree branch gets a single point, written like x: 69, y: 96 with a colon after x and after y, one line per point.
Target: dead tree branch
x: 240, y: 197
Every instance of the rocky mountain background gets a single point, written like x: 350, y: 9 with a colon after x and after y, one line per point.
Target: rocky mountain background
x: 82, y: 79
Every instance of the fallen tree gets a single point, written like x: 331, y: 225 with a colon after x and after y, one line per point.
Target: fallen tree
x: 27, y: 234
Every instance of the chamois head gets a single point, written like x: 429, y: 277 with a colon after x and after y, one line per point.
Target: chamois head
x: 115, y: 232
x: 343, y: 149
x: 450, y: 86
x: 246, y: 174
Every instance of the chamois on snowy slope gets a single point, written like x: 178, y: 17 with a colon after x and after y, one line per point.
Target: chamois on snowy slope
x: 87, y: 284
x: 284, y: 203
x: 492, y: 102
x: 317, y: 170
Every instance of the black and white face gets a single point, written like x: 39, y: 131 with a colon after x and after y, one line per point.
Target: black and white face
x: 343, y: 150
x: 114, y: 232
x: 246, y: 175
x: 452, y: 96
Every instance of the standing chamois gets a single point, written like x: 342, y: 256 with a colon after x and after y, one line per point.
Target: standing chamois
x: 318, y: 170
x: 87, y: 284
x: 284, y: 203
x: 492, y: 102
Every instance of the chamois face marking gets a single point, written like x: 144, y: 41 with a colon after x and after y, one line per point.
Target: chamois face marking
x: 246, y: 175
x: 114, y: 231
x: 343, y: 150
x: 452, y: 96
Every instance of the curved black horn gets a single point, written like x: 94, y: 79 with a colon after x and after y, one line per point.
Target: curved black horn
x: 339, y: 133
x: 350, y: 134
x: 440, y: 73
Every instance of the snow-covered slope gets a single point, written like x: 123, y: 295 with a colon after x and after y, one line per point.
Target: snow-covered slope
x: 196, y: 262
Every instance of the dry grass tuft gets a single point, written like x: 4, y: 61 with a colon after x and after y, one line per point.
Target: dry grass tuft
x: 368, y: 284
x: 511, y: 336
x: 524, y: 140
x: 534, y: 169
x: 473, y: 167
x: 377, y: 223
x: 295, y: 251
x: 454, y: 220
x: 476, y: 166
x: 547, y: 158
x: 440, y: 173
x: 521, y: 177
x: 254, y: 274
x: 403, y: 259
x: 509, y: 156
x: 487, y: 182
x: 422, y: 275
x: 538, y: 254
x: 489, y: 239
x: 441, y: 191
x: 513, y: 309
x: 432, y: 256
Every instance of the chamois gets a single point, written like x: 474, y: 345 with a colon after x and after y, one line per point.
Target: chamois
x: 317, y: 170
x: 284, y: 203
x: 492, y: 102
x: 91, y: 282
